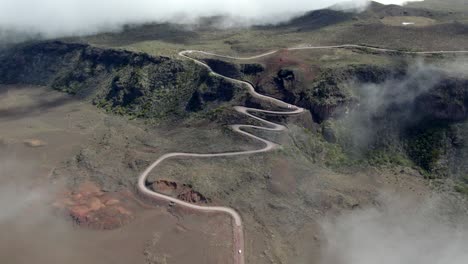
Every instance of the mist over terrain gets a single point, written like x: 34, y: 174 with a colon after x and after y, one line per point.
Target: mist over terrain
x: 23, y: 19
x: 398, y: 231
x: 373, y: 171
x: 16, y: 195
x: 397, y: 102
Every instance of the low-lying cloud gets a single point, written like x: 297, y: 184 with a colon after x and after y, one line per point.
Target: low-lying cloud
x: 52, y: 18
x: 396, y: 102
x: 31, y: 231
x: 16, y: 194
x: 400, y: 231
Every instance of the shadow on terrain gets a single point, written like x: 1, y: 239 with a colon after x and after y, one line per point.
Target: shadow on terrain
x: 36, y: 108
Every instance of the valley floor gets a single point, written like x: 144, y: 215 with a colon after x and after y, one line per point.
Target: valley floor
x: 94, y: 158
x: 42, y: 133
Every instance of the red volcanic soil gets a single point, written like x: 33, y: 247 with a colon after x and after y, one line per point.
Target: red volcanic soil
x: 285, y: 59
x: 90, y: 206
x: 183, y: 192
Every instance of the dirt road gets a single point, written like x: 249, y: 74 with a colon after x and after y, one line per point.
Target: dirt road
x: 268, y: 145
x: 269, y: 126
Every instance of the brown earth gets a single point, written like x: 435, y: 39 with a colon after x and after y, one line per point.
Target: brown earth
x: 96, y: 158
x: 182, y: 192
x: 34, y: 143
x: 90, y: 206
x: 40, y: 188
x: 154, y: 236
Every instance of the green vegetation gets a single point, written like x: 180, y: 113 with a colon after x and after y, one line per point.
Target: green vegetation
x: 425, y: 146
x: 322, y: 27
x: 382, y: 157
x: 315, y: 148
x: 352, y: 136
x: 462, y: 188
x: 121, y: 82
x: 327, y: 91
x: 142, y: 86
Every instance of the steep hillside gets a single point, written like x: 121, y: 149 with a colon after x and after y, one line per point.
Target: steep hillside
x: 120, y: 81
x: 397, y: 113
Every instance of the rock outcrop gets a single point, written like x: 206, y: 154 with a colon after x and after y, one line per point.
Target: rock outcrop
x: 120, y: 81
x: 182, y: 192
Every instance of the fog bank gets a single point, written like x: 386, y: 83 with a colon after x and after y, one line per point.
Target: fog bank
x: 53, y: 18
x: 388, y: 106
x: 400, y: 231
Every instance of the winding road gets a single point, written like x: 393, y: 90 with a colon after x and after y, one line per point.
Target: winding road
x: 238, y: 231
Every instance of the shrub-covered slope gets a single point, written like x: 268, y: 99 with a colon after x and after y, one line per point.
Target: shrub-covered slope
x: 120, y: 81
x: 401, y: 114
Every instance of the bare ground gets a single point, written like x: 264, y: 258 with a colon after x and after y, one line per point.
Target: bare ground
x: 281, y: 197
x: 48, y: 145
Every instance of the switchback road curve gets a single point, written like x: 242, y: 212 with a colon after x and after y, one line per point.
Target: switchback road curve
x: 268, y: 146
x: 238, y: 231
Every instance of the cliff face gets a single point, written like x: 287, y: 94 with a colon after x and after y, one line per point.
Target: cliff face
x: 447, y: 101
x: 333, y: 91
x: 120, y: 81
x: 420, y: 114
x: 369, y: 111
x: 382, y: 114
x: 41, y: 63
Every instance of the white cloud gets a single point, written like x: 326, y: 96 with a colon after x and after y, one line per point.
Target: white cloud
x: 400, y: 231
x: 68, y: 17
x: 397, y: 2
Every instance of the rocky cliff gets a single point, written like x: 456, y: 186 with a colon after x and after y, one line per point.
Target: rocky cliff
x: 119, y: 81
x: 401, y: 114
x: 379, y: 114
